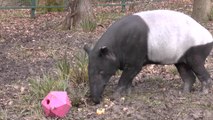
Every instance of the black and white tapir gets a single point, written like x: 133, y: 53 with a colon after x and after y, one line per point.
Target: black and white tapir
x: 151, y: 37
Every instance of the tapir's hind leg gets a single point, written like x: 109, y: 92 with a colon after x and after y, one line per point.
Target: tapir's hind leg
x: 187, y: 76
x: 203, y: 76
x: 195, y: 58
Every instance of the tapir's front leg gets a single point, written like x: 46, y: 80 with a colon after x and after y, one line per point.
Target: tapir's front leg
x: 125, y: 82
x: 187, y: 76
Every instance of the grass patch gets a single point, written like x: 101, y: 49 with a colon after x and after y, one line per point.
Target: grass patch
x: 40, y: 87
x: 79, y: 71
x: 88, y: 25
x: 25, y: 2
x: 101, y: 19
x: 152, y: 102
x: 68, y: 77
x: 3, y: 114
x: 210, y: 16
x: 63, y: 69
x: 104, y: 17
x: 48, y: 3
x: 14, y: 13
x: 79, y: 78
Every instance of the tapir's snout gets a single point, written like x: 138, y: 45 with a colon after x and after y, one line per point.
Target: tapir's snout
x: 96, y: 93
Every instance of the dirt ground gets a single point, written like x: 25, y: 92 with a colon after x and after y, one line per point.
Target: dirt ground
x: 30, y: 47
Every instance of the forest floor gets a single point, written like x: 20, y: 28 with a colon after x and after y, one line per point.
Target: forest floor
x: 31, y: 47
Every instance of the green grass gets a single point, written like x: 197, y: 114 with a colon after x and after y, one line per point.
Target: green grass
x: 101, y: 18
x: 88, y: 25
x: 51, y: 3
x: 210, y: 16
x: 68, y: 77
x: 107, y: 16
x: 3, y: 114
x: 42, y: 86
x: 14, y: 13
x: 79, y: 78
x: 63, y: 69
x: 25, y: 2
x: 79, y: 69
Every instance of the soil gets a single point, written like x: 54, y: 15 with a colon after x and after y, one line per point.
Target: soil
x: 30, y: 47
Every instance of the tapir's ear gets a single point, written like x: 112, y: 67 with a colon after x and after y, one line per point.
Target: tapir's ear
x: 103, y: 51
x: 87, y: 48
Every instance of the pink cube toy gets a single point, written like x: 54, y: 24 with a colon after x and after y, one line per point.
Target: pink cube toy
x: 56, y: 104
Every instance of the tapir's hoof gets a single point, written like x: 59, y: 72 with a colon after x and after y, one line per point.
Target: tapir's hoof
x: 186, y: 91
x: 118, y: 93
x: 128, y: 91
x: 206, y: 86
x: 121, y: 91
x: 115, y: 96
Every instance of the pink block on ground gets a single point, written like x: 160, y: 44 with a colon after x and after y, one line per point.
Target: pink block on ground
x: 56, y: 104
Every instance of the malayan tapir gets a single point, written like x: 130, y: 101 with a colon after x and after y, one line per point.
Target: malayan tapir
x: 150, y: 37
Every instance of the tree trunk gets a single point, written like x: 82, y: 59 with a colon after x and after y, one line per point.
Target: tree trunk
x: 78, y: 11
x: 201, y: 10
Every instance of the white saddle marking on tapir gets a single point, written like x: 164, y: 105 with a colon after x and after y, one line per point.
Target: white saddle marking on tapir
x: 172, y: 34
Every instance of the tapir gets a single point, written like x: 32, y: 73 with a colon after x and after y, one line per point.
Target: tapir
x: 150, y: 37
